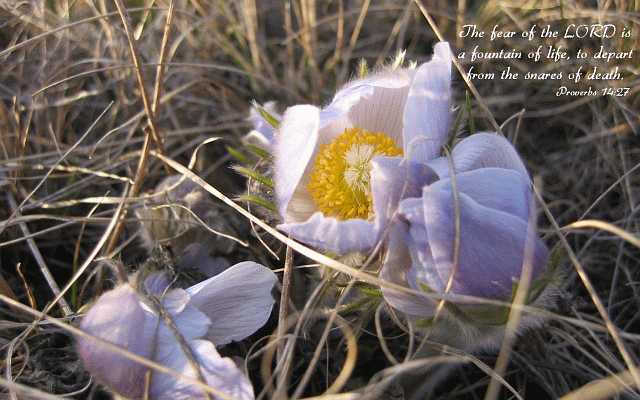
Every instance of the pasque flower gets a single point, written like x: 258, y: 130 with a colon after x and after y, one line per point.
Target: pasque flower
x: 339, y: 171
x: 225, y: 308
x: 175, y: 218
x: 497, y: 238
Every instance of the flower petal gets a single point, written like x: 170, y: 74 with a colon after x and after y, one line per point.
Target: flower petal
x: 222, y: 373
x: 423, y: 270
x: 392, y: 179
x: 238, y: 301
x: 331, y: 234
x: 219, y: 373
x: 374, y: 103
x: 156, y: 283
x: 481, y: 150
x: 496, y: 188
x: 426, y: 113
x: 353, y: 92
x: 493, y: 243
x: 295, y: 145
x: 117, y: 317
x: 395, y: 269
x: 262, y: 133
x: 190, y: 321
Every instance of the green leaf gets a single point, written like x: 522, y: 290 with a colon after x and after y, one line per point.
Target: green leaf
x: 425, y: 287
x: 424, y: 322
x: 481, y: 314
x: 258, y: 151
x: 238, y: 155
x: 253, y: 174
x: 266, y: 115
x: 356, y: 305
x: 257, y: 200
x: 371, y: 292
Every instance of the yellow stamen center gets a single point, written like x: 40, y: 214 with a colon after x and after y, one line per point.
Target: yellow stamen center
x: 339, y: 181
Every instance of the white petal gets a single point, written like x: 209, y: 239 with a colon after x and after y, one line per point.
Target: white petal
x: 238, y: 301
x: 190, y: 321
x: 354, y: 92
x: 331, y: 234
x: 295, y: 146
x: 262, y: 133
x: 381, y: 109
x: 481, y: 150
x: 426, y: 114
x: 301, y: 206
x: 258, y: 138
x: 219, y: 373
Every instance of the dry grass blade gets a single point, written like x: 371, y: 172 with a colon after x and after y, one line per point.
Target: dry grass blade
x: 122, y: 11
x: 36, y: 38
x: 605, y: 226
x: 53, y: 167
x: 613, y: 330
x: 152, y: 132
x: 160, y: 69
x: 602, y: 389
x: 44, y: 269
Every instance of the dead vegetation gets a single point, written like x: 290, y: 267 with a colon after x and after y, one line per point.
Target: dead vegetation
x: 103, y: 99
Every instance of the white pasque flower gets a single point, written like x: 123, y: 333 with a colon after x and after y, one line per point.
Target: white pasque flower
x: 339, y: 171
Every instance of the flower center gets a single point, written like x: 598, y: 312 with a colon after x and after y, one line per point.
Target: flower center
x: 339, y: 182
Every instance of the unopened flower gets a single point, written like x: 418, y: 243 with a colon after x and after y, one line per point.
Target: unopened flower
x: 339, y: 171
x: 175, y: 218
x: 225, y: 308
x: 495, y: 242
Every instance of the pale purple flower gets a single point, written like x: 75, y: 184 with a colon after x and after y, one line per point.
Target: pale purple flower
x: 342, y: 204
x: 497, y: 228
x: 219, y: 310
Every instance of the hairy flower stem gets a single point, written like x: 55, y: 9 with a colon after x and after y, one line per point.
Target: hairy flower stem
x: 284, y: 300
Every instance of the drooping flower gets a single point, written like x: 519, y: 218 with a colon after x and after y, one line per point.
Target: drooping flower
x: 339, y: 171
x: 497, y: 236
x: 171, y: 219
x: 225, y: 308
